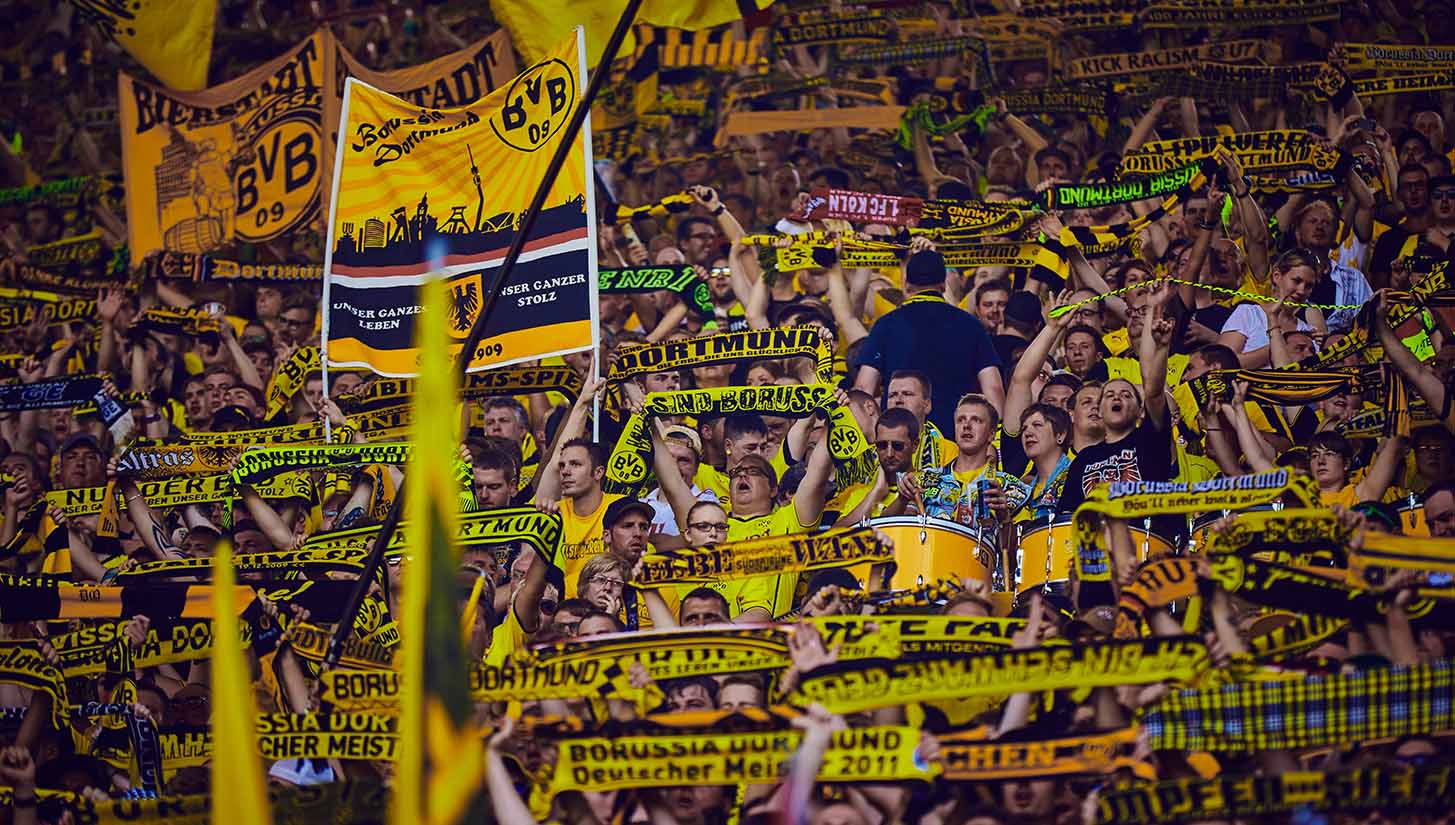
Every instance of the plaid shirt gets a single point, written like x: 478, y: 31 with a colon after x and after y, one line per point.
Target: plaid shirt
x: 1330, y: 710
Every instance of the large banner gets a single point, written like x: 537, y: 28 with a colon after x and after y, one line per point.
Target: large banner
x: 249, y: 160
x: 237, y: 162
x: 456, y: 79
x: 422, y: 190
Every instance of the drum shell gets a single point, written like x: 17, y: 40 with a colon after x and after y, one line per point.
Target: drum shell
x: 949, y: 551
x: 1058, y: 539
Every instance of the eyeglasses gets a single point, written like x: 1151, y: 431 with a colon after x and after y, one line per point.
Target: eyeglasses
x: 705, y: 526
x: 608, y: 581
x: 569, y: 628
x: 1443, y: 194
x: 890, y: 444
x: 747, y: 471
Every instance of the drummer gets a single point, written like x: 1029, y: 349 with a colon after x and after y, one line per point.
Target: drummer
x: 970, y: 490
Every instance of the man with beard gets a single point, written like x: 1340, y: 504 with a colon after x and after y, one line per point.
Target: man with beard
x: 685, y: 447
x: 1138, y: 441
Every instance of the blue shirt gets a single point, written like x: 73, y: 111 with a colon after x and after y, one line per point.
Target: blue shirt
x: 942, y: 341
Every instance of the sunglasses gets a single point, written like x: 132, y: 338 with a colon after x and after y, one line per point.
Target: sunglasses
x: 892, y: 445
x: 1443, y: 194
x: 719, y: 272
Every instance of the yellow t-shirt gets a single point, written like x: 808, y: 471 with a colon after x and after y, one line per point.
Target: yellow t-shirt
x: 970, y: 476
x: 1129, y: 369
x: 948, y: 451
x: 772, y: 592
x: 709, y: 478
x: 505, y: 640
x: 581, y: 539
x: 1344, y: 496
x: 1347, y: 497
x: 1117, y: 341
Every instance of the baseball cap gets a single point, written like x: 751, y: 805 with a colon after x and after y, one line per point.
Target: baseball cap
x: 619, y: 508
x: 80, y: 440
x: 925, y: 268
x: 1023, y: 307
x: 680, y: 433
x: 233, y: 416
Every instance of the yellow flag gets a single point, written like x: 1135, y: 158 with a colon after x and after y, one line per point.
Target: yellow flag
x: 173, y: 40
x: 536, y: 26
x: 440, y: 755
x: 239, y: 794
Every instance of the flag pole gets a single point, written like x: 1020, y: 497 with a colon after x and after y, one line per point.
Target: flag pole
x: 477, y: 331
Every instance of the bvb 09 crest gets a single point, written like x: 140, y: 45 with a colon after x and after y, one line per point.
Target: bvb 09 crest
x: 277, y: 174
x: 536, y: 105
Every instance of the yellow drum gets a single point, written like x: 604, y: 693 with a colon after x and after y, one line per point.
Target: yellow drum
x: 926, y: 551
x: 1046, y: 550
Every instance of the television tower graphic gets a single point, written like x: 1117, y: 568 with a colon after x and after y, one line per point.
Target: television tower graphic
x: 480, y: 193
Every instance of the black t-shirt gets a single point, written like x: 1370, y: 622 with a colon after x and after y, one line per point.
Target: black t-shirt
x: 1386, y: 251
x: 944, y: 342
x: 1145, y: 454
x: 1013, y: 458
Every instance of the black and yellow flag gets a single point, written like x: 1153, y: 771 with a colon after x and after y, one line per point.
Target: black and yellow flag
x: 536, y: 26
x: 173, y: 40
x: 440, y: 756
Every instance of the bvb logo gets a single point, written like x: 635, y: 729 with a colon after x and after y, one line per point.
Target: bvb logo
x: 536, y: 105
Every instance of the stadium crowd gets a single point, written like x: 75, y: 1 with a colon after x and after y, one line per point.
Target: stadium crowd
x: 996, y: 404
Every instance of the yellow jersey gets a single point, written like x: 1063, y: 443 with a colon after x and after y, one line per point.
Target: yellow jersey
x: 581, y: 539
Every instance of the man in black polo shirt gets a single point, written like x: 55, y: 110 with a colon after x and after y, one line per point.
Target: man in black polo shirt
x: 929, y: 335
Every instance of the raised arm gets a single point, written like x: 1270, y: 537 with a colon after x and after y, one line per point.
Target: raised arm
x: 1146, y: 126
x: 1387, y: 462
x: 246, y: 370
x: 548, y: 488
x: 851, y: 328
x: 707, y: 198
x: 1156, y: 335
x: 674, y: 487
x: 1018, y: 396
x: 1424, y: 379
x: 813, y: 491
